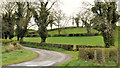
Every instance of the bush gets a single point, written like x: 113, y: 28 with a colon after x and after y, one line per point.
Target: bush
x: 35, y: 35
x: 84, y: 34
x: 49, y: 35
x: 87, y: 46
x: 9, y: 48
x: 7, y: 41
x: 65, y: 47
x: 89, y: 54
x: 18, y: 46
x: 32, y: 35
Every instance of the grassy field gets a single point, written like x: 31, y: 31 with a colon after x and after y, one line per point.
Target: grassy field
x: 16, y: 56
x: 69, y: 31
x: 72, y: 31
x: 88, y: 40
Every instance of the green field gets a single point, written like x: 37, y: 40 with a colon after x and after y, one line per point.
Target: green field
x: 16, y: 56
x: 69, y: 31
x: 88, y: 40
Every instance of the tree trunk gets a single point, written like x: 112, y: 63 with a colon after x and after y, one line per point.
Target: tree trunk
x: 11, y: 36
x: 88, y: 27
x: 59, y: 31
x: 51, y: 28
x: 5, y: 36
x: 77, y: 24
x: 21, y: 39
x: 105, y: 37
x: 43, y: 40
x: 18, y: 38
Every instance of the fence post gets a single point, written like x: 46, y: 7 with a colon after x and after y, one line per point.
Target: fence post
x: 95, y: 56
x: 103, y: 57
x: 118, y: 57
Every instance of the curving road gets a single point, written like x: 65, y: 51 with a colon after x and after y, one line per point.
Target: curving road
x: 45, y: 58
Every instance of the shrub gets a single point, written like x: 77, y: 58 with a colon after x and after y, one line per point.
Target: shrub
x: 7, y: 41
x: 56, y: 35
x: 49, y: 35
x: 18, y: 46
x: 87, y: 46
x: 14, y: 42
x: 89, y: 54
x: 66, y: 47
x: 35, y: 35
x: 9, y: 48
x: 71, y: 35
x: 32, y: 35
x: 84, y: 34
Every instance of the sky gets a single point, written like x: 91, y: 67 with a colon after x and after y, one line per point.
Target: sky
x: 70, y: 7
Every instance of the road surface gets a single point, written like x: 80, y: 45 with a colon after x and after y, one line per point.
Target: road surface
x: 45, y: 58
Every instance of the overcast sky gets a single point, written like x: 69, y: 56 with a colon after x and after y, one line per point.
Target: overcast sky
x: 70, y: 7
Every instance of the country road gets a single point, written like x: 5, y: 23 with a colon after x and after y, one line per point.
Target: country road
x: 45, y: 58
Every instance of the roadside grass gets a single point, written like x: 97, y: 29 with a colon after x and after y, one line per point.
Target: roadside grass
x: 16, y: 56
x: 71, y: 31
x: 86, y: 40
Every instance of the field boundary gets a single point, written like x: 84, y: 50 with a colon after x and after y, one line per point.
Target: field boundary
x: 62, y: 46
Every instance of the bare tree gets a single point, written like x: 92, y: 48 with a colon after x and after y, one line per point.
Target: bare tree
x: 86, y: 16
x: 59, y: 16
x: 76, y: 20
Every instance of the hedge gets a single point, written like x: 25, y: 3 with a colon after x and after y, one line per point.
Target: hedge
x: 7, y: 41
x: 75, y: 35
x: 84, y: 34
x: 65, y: 35
x: 87, y: 46
x: 63, y: 28
x: 63, y: 46
x: 95, y: 54
x: 32, y: 35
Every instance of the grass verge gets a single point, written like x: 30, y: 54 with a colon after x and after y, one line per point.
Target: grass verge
x: 16, y: 56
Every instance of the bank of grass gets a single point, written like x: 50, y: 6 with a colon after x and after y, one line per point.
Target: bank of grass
x: 16, y: 56
x: 86, y: 40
